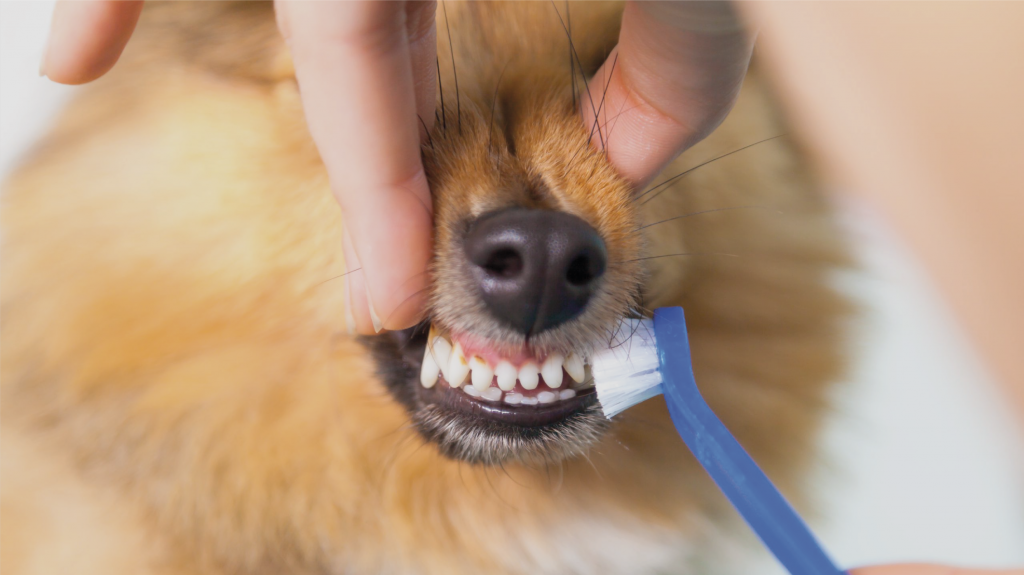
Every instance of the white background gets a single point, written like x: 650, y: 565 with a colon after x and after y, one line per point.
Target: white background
x: 926, y: 460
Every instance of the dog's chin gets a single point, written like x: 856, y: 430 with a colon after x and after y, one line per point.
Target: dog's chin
x: 490, y: 426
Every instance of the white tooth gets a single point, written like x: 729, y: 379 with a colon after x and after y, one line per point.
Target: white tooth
x: 506, y: 374
x: 458, y: 368
x: 483, y: 374
x: 429, y: 371
x: 546, y: 397
x: 529, y: 375
x: 566, y: 394
x: 527, y: 400
x: 442, y: 354
x: 588, y: 379
x: 552, y: 370
x: 513, y: 398
x: 491, y: 394
x: 574, y: 367
x: 471, y: 391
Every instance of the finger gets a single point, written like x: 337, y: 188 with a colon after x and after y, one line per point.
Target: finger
x: 87, y: 38
x: 355, y: 65
x: 670, y: 81
x: 920, y: 569
x: 357, y: 314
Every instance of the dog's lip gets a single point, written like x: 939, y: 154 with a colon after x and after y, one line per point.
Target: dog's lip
x: 451, y: 399
x: 413, y: 342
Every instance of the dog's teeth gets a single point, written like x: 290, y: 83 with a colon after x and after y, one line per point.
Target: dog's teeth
x: 529, y: 375
x: 491, y: 394
x: 513, y: 398
x: 429, y: 371
x: 442, y: 354
x: 546, y: 397
x: 458, y: 368
x: 588, y: 380
x: 552, y: 370
x: 471, y: 391
x: 530, y: 400
x: 506, y: 374
x: 574, y: 367
x: 566, y: 394
x: 483, y: 374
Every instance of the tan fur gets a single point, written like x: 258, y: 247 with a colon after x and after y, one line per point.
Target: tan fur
x: 179, y: 394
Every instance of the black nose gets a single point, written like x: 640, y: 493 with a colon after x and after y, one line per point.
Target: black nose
x: 535, y: 268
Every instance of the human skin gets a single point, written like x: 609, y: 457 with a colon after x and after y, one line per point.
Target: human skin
x: 918, y: 569
x: 369, y: 138
x: 915, y: 107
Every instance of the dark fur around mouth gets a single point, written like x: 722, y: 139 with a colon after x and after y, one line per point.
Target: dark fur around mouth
x: 469, y: 432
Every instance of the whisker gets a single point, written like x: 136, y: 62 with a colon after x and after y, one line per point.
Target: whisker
x: 426, y: 131
x: 338, y: 277
x: 676, y: 177
x: 440, y: 86
x: 584, y: 145
x: 494, y: 101
x: 678, y: 255
x: 608, y: 135
x: 572, y: 47
x: 726, y: 209
x: 604, y: 94
x: 572, y: 63
x: 397, y: 307
x: 455, y: 72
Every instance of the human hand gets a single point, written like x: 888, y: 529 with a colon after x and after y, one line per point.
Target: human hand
x: 368, y: 138
x: 674, y: 76
x: 917, y: 569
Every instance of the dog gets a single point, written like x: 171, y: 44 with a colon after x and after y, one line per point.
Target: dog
x: 180, y: 394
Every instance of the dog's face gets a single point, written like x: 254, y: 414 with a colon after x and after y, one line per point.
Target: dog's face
x: 172, y: 316
x: 537, y: 249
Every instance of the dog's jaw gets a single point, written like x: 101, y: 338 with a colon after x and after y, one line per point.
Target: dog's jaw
x: 467, y: 426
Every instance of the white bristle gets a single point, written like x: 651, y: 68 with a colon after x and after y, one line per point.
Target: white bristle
x: 628, y: 371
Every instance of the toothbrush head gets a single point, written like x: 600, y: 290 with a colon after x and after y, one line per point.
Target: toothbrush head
x: 627, y: 372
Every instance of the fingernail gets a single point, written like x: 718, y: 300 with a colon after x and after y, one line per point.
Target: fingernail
x: 378, y: 325
x: 350, y: 320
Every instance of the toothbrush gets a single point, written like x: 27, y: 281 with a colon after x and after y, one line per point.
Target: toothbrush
x: 649, y: 358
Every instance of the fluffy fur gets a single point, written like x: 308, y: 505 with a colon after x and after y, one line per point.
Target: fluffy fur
x: 179, y: 394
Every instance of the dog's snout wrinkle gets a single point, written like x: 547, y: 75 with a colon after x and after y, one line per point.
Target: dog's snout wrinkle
x: 535, y: 269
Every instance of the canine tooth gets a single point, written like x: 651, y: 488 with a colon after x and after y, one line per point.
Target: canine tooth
x: 491, y: 394
x: 588, y: 380
x: 527, y: 400
x: 529, y: 375
x: 552, y: 370
x: 458, y: 368
x: 506, y: 374
x: 513, y: 398
x: 583, y: 385
x: 471, y: 391
x: 574, y: 367
x: 442, y: 354
x: 566, y: 394
x: 483, y: 374
x: 429, y: 371
x: 546, y: 397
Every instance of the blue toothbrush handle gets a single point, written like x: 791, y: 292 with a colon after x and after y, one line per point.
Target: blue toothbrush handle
x: 748, y: 489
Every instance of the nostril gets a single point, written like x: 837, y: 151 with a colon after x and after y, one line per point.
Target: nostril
x: 534, y: 269
x: 581, y: 271
x: 504, y: 263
